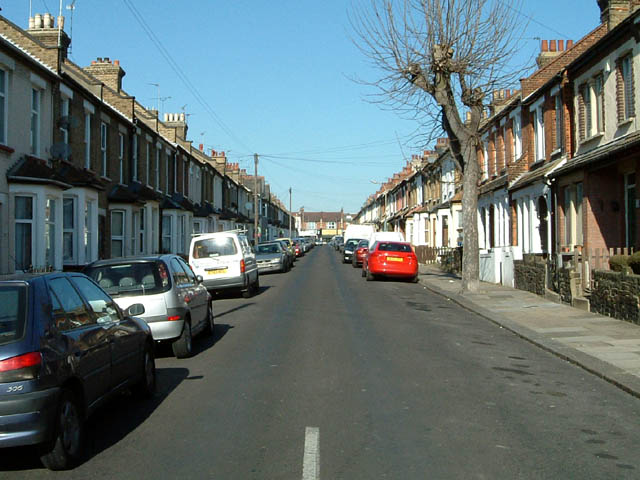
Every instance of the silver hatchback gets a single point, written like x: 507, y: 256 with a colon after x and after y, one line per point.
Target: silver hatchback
x: 177, y: 305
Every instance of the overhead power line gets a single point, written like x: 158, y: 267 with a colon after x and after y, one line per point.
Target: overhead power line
x: 181, y: 75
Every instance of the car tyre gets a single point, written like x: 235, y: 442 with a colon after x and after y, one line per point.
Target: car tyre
x: 64, y: 451
x: 183, y: 346
x: 415, y: 279
x: 147, y: 386
x: 370, y: 276
x: 354, y: 264
x: 364, y: 272
x: 211, y: 322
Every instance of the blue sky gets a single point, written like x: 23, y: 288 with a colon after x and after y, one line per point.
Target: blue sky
x: 275, y: 79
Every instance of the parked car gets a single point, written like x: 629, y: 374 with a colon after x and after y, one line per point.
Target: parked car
x: 272, y: 257
x: 225, y: 260
x: 349, y: 248
x: 65, y: 349
x: 291, y: 254
x: 298, y: 249
x: 337, y: 241
x: 289, y: 243
x: 391, y: 259
x: 358, y: 255
x: 177, y: 305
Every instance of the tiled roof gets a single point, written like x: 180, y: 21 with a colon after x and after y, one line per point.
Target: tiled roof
x: 35, y: 170
x: 492, y: 185
x: 121, y: 194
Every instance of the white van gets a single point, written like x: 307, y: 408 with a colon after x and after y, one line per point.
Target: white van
x: 360, y: 231
x: 225, y: 260
x: 385, y: 237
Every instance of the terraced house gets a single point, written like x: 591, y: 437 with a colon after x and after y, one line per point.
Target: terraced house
x: 98, y: 175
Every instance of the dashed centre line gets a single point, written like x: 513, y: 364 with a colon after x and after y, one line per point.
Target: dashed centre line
x: 311, y: 458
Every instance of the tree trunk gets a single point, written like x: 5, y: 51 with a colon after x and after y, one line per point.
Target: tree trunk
x: 470, y: 251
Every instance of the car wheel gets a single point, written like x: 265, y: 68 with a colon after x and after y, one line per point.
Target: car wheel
x: 182, y: 347
x: 415, y: 279
x: 211, y: 324
x: 147, y: 386
x: 370, y: 276
x: 354, y: 264
x: 364, y: 272
x: 66, y: 447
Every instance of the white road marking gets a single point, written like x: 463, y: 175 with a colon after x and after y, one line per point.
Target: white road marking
x: 311, y: 458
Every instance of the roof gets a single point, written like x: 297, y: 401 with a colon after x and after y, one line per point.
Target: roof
x: 492, y: 185
x: 534, y: 175
x: 121, y: 194
x: 604, y: 153
x: 30, y: 169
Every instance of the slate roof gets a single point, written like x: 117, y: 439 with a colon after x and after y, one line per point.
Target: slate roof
x: 64, y: 174
x: 537, y: 174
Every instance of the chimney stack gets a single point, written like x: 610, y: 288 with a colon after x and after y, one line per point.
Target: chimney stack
x: 612, y: 12
x: 176, y: 120
x: 549, y: 50
x: 108, y: 73
x: 43, y: 28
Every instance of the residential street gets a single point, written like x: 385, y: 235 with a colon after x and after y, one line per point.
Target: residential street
x: 399, y: 382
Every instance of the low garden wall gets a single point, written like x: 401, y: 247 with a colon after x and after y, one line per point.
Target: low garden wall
x: 530, y: 274
x: 616, y: 294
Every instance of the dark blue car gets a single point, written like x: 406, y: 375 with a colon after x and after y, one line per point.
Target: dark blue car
x: 65, y: 348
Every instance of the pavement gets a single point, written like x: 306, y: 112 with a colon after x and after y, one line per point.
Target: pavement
x: 604, y: 346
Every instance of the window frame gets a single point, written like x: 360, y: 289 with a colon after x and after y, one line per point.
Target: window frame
x: 4, y: 104
x: 103, y: 147
x: 69, y: 230
x: 35, y: 129
x: 118, y: 238
x: 24, y: 221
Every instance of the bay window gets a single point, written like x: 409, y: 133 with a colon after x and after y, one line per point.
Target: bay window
x: 68, y: 225
x: 24, y: 237
x: 117, y: 233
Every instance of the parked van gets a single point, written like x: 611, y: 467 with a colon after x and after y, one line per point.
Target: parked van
x: 385, y: 237
x: 225, y: 260
x: 359, y: 231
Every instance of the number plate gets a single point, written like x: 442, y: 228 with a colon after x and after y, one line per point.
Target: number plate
x: 217, y: 271
x: 395, y: 259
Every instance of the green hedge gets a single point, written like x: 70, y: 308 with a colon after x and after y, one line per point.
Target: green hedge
x: 620, y: 263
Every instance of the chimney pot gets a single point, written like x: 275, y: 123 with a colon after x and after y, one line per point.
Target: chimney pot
x: 552, y: 46
x: 37, y: 20
x: 116, y: 62
x: 99, y: 59
x: 106, y: 59
x: 561, y: 45
x: 166, y: 117
x: 60, y: 22
x: 201, y: 147
x: 569, y: 44
x: 545, y: 45
x: 32, y: 23
x: 48, y: 20
x: 182, y: 117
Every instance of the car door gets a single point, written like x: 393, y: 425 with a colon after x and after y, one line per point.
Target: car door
x: 87, y: 342
x: 200, y: 296
x: 125, y: 339
x: 251, y: 265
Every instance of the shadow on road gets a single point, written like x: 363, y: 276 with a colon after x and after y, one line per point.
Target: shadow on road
x: 108, y: 425
x: 234, y: 309
x: 233, y: 294
x: 201, y: 343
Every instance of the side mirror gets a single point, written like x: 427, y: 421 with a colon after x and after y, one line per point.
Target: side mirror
x: 199, y: 278
x: 134, y: 310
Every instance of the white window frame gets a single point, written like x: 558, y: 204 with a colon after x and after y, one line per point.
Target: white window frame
x: 167, y: 235
x: 4, y: 104
x: 103, y: 147
x: 69, y: 231
x: 35, y: 128
x: 29, y: 221
x: 118, y: 238
x: 538, y: 132
x: 50, y: 230
x: 64, y: 113
x: 121, y: 157
x: 626, y: 70
x: 87, y: 140
x: 157, y: 168
x: 148, y: 163
x: 559, y: 123
x: 134, y: 156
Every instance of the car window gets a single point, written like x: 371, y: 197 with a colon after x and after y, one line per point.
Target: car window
x: 70, y: 311
x: 244, y: 243
x: 214, y: 247
x: 101, y: 303
x: 177, y: 272
x: 394, y: 247
x: 13, y: 313
x: 131, y: 279
x: 190, y: 275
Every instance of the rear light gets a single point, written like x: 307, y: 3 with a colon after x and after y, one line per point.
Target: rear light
x: 22, y: 367
x: 173, y: 318
x: 21, y: 361
x: 242, y: 266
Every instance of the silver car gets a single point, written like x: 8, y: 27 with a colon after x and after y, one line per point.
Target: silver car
x: 177, y: 306
x: 272, y: 257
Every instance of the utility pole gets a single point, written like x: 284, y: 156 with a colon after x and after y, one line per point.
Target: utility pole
x: 289, y: 212
x: 255, y: 200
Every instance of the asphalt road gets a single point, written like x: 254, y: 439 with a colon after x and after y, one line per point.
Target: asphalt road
x: 325, y: 375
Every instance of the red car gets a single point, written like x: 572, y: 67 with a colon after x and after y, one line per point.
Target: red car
x: 360, y: 252
x: 391, y: 259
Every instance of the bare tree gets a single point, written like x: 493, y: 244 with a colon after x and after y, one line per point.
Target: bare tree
x: 440, y: 61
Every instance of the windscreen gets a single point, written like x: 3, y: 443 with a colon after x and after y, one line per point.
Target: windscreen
x: 394, y: 247
x: 214, y: 247
x: 13, y: 313
x: 131, y: 279
x: 266, y: 249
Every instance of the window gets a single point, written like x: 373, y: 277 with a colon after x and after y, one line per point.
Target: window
x: 184, y: 177
x: 3, y: 106
x: 117, y: 233
x: 157, y: 169
x: 624, y: 90
x: 88, y: 220
x: 103, y: 147
x: 50, y: 232
x: 24, y: 232
x: 598, y: 92
x: 35, y: 122
x: 559, y: 123
x: 181, y: 234
x: 69, y: 311
x: 311, y: 225
x: 121, y: 157
x: 166, y: 233
x: 331, y: 225
x: 141, y: 235
x: 134, y: 159
x: 148, y: 163
x: 87, y: 140
x: 101, y: 304
x: 166, y: 175
x: 64, y: 119
x: 517, y: 138
x: 538, y: 126
x: 485, y: 158
x: 68, y: 225
x: 585, y: 114
x: 178, y: 273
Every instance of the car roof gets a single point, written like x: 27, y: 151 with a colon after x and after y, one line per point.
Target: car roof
x: 133, y: 259
x: 27, y: 277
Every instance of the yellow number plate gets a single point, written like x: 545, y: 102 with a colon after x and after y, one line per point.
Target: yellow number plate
x: 217, y: 271
x: 395, y: 259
